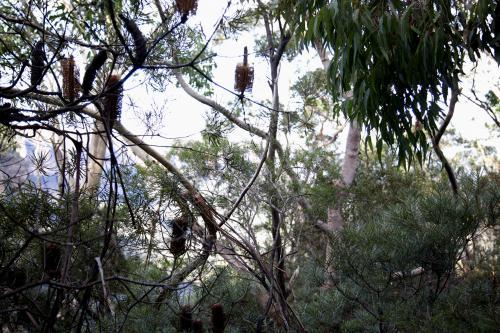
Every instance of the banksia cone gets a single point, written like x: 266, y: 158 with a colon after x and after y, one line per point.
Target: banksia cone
x: 71, y: 86
x: 243, y: 76
x: 218, y: 318
x: 92, y: 69
x: 185, y: 318
x: 37, y: 63
x: 186, y: 7
x: 197, y: 326
x: 52, y: 258
x: 13, y: 278
x: 113, y: 99
x: 139, y: 41
x: 418, y: 126
x: 178, y: 241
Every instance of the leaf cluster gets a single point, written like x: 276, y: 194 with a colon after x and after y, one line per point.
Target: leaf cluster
x: 398, y: 58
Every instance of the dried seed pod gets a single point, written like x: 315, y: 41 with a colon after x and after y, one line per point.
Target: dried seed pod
x: 13, y: 278
x: 71, y: 76
x: 197, y: 326
x: 52, y: 258
x: 92, y: 69
x: 7, y: 114
x: 37, y: 63
x: 178, y: 241
x: 113, y: 99
x: 186, y: 7
x: 218, y: 318
x: 161, y: 297
x: 185, y: 318
x: 139, y: 41
x: 243, y: 76
x: 418, y: 126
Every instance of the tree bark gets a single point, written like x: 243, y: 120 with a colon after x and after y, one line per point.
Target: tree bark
x: 351, y: 158
x: 335, y: 222
x: 97, y: 150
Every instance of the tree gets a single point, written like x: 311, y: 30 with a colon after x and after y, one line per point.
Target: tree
x: 236, y: 231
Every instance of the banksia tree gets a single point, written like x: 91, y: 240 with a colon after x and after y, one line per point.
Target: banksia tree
x: 91, y: 72
x: 71, y: 84
x: 186, y: 7
x: 140, y: 51
x: 178, y: 241
x: 37, y: 63
x: 243, y: 76
x: 113, y: 99
x: 218, y: 318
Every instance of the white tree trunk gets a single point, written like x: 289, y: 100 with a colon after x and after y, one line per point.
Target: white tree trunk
x: 97, y: 148
x: 335, y: 221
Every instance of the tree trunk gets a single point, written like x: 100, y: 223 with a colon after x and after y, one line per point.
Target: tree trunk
x: 97, y: 150
x: 335, y: 222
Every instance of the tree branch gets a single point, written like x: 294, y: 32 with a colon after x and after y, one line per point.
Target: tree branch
x: 219, y: 108
x: 437, y: 137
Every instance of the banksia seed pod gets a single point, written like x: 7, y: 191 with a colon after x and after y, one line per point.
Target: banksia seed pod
x: 92, y: 69
x: 52, y: 258
x: 113, y: 99
x: 71, y: 86
x: 178, y: 241
x: 185, y: 318
x: 218, y: 318
x: 139, y: 41
x: 243, y: 76
x: 418, y: 126
x: 13, y: 278
x: 37, y: 63
x: 197, y: 326
x: 186, y: 7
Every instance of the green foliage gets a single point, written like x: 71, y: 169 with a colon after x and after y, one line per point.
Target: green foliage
x: 31, y: 219
x: 313, y: 91
x: 321, y: 193
x: 392, y: 234
x: 398, y: 58
x: 190, y: 44
x: 492, y: 99
x: 7, y: 140
x: 218, y: 160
